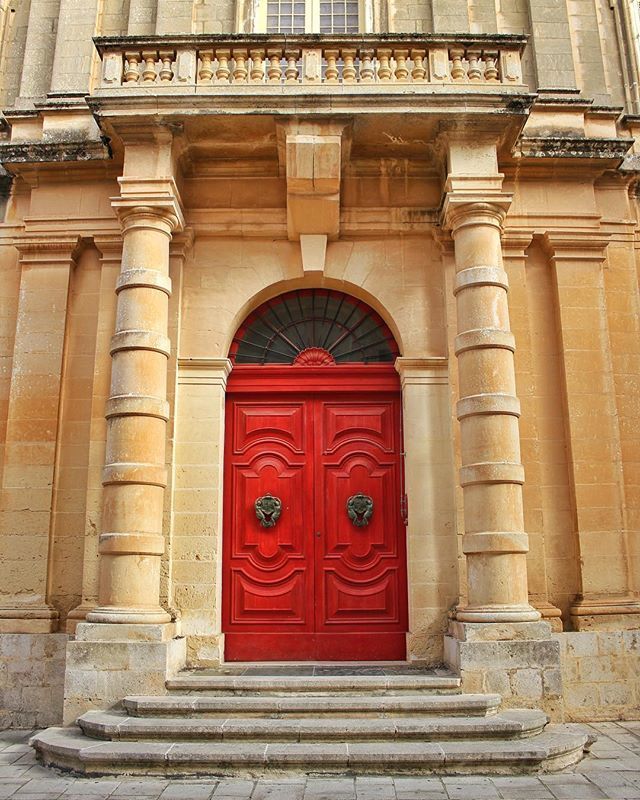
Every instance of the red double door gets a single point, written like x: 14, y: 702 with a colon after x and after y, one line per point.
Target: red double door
x: 312, y: 581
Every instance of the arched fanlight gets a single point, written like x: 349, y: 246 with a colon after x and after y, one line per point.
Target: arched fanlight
x: 313, y: 327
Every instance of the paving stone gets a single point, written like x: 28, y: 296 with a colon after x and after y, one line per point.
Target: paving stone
x: 461, y: 789
x: 188, y: 791
x: 92, y: 788
x: 141, y: 788
x: 330, y: 789
x: 566, y: 791
x: 233, y: 788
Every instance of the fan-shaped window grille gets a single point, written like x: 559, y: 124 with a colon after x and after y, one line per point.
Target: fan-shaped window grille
x: 313, y: 327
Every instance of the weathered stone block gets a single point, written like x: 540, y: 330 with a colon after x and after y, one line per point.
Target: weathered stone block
x: 527, y: 683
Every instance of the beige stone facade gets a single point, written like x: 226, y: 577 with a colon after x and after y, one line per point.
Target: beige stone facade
x: 467, y: 169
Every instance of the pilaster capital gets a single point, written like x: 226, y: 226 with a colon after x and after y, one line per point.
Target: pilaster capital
x: 515, y: 242
x: 576, y: 245
x: 50, y: 247
x: 204, y: 371
x: 149, y: 201
x: 420, y: 371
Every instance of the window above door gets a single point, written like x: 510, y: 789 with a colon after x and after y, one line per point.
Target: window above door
x: 311, y: 16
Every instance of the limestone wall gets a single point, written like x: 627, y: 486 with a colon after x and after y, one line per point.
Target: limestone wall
x: 31, y: 679
x: 600, y: 674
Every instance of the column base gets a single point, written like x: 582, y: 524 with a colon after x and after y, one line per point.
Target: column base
x: 77, y: 615
x: 606, y: 613
x: 28, y: 619
x: 519, y: 661
x: 128, y: 615
x: 550, y: 613
x: 106, y: 662
x: 503, y: 613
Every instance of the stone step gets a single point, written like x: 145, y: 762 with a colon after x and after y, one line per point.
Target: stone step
x: 69, y: 748
x: 114, y: 725
x: 197, y: 705
x: 319, y: 684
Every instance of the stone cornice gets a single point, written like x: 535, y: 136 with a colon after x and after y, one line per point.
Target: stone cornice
x: 50, y: 152
x: 565, y: 147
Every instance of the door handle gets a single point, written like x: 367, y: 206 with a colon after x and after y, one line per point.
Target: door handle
x: 268, y: 509
x: 360, y: 509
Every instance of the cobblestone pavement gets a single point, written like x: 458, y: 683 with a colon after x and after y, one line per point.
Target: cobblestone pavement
x: 611, y: 771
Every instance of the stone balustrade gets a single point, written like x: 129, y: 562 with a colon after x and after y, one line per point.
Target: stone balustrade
x: 388, y: 61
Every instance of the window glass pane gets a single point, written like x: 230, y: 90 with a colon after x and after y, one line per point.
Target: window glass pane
x: 339, y: 16
x: 341, y: 327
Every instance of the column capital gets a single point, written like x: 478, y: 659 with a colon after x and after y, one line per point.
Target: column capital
x: 474, y: 208
x: 149, y: 199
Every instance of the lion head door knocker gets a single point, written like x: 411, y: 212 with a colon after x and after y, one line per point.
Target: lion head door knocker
x: 268, y: 510
x: 360, y: 509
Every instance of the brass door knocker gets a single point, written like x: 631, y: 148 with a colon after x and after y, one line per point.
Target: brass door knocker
x: 268, y: 509
x: 360, y: 509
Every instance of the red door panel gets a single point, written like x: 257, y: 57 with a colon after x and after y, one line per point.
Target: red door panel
x: 360, y: 570
x: 269, y: 575
x: 314, y: 586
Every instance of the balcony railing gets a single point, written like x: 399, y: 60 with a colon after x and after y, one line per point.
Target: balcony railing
x: 384, y: 62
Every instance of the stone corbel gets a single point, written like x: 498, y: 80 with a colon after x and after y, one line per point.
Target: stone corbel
x: 312, y: 156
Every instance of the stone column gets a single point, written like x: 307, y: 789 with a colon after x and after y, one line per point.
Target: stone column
x: 29, y: 473
x: 134, y: 477
x: 491, y: 476
x: 497, y: 642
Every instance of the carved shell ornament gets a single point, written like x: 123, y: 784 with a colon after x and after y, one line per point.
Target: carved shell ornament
x: 268, y: 509
x: 360, y: 509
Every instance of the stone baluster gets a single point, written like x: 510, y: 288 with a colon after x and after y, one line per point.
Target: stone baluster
x: 384, y: 65
x: 491, y: 474
x: 291, y: 72
x: 274, y: 70
x: 166, y: 68
x: 331, y: 73
x: 402, y: 71
x: 223, y: 72
x: 240, y: 70
x: 367, y: 72
x: 206, y: 73
x: 134, y: 477
x: 457, y: 67
x: 419, y: 72
x: 475, y: 72
x: 349, y: 72
x: 132, y: 70
x: 491, y: 69
x: 257, y: 66
x: 149, y: 73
